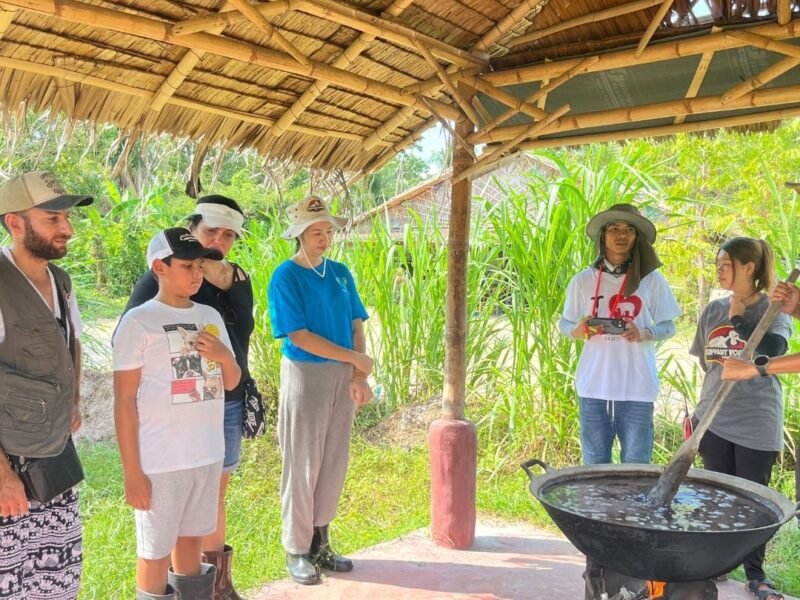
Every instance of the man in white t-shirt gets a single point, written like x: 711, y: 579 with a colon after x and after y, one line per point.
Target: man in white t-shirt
x: 620, y: 306
x: 172, y: 364
x: 39, y: 346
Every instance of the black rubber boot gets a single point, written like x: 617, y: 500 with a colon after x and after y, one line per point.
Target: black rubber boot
x: 323, y: 555
x: 169, y: 595
x: 301, y: 569
x: 194, y: 587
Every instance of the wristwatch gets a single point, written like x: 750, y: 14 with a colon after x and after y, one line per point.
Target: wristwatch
x: 761, y: 362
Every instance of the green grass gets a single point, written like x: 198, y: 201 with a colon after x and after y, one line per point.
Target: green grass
x: 386, y: 495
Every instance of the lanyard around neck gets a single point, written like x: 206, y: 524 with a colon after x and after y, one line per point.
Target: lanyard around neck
x: 617, y: 298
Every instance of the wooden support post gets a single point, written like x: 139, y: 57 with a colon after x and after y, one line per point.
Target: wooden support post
x: 452, y: 440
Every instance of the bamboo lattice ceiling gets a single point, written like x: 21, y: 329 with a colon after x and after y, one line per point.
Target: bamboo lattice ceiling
x: 335, y: 84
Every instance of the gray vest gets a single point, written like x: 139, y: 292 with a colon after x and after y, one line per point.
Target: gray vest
x: 37, y: 373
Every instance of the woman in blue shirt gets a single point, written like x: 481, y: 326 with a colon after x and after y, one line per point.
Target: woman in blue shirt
x: 315, y: 309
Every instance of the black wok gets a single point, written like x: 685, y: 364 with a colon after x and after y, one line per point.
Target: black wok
x: 658, y: 554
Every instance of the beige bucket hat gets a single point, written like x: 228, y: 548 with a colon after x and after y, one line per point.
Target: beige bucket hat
x: 305, y: 213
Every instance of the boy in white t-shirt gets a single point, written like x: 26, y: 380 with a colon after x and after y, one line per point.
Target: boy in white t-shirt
x: 172, y: 362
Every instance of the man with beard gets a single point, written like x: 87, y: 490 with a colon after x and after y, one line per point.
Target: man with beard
x: 40, y: 529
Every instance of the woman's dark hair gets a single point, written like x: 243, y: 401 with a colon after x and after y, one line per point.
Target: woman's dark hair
x: 749, y: 250
x: 194, y: 220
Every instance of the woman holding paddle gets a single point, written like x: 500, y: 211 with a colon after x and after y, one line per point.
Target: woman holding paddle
x: 747, y: 434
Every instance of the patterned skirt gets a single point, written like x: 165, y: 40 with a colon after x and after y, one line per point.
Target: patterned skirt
x: 40, y: 552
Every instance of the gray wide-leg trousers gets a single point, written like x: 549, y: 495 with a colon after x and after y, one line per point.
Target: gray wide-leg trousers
x: 315, y: 420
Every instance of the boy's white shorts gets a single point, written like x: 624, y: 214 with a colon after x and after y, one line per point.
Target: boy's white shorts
x: 183, y: 504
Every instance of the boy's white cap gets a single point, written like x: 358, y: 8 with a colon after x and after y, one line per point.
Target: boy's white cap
x: 180, y: 243
x: 305, y: 213
x: 219, y: 215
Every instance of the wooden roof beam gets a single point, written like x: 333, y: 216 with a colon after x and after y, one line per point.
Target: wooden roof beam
x: 664, y: 130
x: 764, y: 42
x: 449, y: 86
x: 251, y: 13
x: 540, y: 93
x: 601, y: 15
x: 660, y: 110
x: 651, y: 28
x: 759, y: 79
x: 96, y: 16
x: 662, y: 51
x: 343, y: 15
x: 784, y: 11
x: 497, y: 153
x: 344, y: 60
x: 112, y: 86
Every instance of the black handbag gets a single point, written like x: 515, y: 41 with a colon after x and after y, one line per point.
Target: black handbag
x: 254, y: 423
x: 46, y: 478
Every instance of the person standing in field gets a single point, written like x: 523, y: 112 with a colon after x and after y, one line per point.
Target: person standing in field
x: 617, y: 378
x: 317, y: 312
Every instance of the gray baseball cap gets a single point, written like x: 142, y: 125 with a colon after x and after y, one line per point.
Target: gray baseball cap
x: 37, y: 189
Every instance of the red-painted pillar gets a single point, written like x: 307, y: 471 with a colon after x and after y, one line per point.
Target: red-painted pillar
x: 452, y: 440
x: 453, y: 449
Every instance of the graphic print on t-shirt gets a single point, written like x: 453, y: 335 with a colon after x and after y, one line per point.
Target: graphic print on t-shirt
x: 194, y: 379
x: 723, y: 342
x: 625, y: 306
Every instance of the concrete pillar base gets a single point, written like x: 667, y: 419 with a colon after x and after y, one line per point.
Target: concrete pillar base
x: 453, y: 447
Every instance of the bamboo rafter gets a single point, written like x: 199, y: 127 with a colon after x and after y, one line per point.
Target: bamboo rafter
x: 620, y: 59
x: 344, y: 60
x: 759, y: 79
x: 111, y: 86
x: 697, y: 81
x: 765, y: 43
x: 446, y: 126
x: 449, y: 86
x: 601, y: 15
x: 497, y: 153
x: 79, y: 12
x: 385, y: 129
x: 651, y: 28
x: 509, y: 100
x: 658, y: 110
x: 509, y: 22
x: 251, y: 13
x: 538, y: 94
x: 6, y: 18
x: 343, y: 15
x: 664, y: 130
x: 784, y: 11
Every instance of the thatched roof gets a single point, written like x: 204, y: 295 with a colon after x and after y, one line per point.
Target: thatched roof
x: 342, y: 85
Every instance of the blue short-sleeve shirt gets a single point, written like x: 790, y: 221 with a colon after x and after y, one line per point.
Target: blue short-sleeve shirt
x: 300, y: 299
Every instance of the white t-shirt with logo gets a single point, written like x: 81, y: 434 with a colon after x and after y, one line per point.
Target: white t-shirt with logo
x: 181, y: 396
x: 610, y: 367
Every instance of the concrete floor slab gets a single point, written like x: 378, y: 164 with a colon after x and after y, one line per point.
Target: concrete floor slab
x: 507, y: 562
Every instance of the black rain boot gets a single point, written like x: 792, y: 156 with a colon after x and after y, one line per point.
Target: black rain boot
x: 169, y: 595
x: 323, y: 555
x: 301, y: 569
x: 194, y: 587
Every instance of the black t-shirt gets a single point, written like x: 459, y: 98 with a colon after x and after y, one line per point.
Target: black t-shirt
x: 235, y: 305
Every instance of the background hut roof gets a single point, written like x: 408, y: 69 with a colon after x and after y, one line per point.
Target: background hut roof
x: 333, y: 84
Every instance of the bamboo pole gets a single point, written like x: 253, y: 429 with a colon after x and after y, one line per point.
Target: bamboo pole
x: 651, y: 28
x: 601, y: 15
x: 343, y: 15
x: 449, y: 86
x: 380, y: 161
x: 6, y: 18
x: 384, y: 131
x: 697, y: 81
x: 658, y: 110
x: 625, y: 58
x: 446, y: 126
x: 765, y: 43
x: 226, y: 17
x: 759, y: 79
x: 540, y: 93
x: 504, y: 97
x: 343, y: 61
x: 511, y: 20
x: 497, y: 153
x: 663, y: 130
x: 256, y: 18
x: 784, y: 10
x: 95, y: 16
